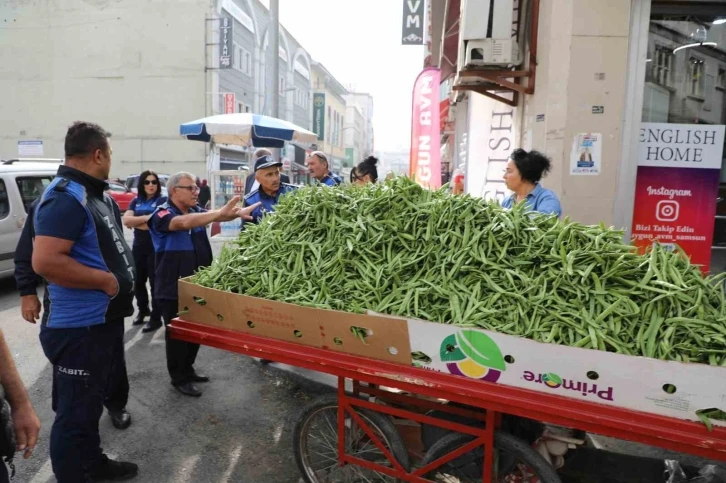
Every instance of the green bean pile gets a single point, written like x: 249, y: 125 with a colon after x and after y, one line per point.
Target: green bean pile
x: 398, y: 249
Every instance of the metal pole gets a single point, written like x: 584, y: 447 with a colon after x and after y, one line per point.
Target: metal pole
x: 275, y: 48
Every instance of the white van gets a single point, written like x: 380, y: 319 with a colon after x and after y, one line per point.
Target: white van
x: 21, y: 182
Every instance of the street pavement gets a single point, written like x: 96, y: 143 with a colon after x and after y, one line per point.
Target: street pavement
x: 238, y: 431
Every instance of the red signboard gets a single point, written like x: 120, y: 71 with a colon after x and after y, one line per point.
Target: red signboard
x: 229, y: 103
x: 676, y: 188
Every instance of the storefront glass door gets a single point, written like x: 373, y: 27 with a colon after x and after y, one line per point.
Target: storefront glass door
x: 681, y: 185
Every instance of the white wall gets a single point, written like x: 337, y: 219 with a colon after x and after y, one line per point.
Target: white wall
x: 135, y: 67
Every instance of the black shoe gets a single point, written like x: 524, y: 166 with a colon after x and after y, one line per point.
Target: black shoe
x: 264, y: 362
x: 152, y: 325
x: 198, y: 378
x: 110, y: 470
x: 139, y: 318
x: 120, y: 419
x: 188, y: 389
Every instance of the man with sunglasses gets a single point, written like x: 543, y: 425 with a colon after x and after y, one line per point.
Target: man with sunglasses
x: 178, y: 231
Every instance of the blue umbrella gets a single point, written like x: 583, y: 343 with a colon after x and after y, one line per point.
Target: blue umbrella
x: 246, y: 129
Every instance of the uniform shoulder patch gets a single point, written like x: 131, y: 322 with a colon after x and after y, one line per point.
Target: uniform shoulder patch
x: 61, y: 185
x: 162, y: 213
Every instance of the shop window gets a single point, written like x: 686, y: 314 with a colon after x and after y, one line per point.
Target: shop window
x: 721, y: 78
x: 695, y: 77
x: 4, y: 202
x: 282, y: 86
x: 237, y: 58
x: 246, y: 63
x: 663, y: 66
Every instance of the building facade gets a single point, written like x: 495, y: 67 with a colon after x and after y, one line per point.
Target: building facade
x: 355, y: 134
x: 329, y: 115
x: 365, y: 102
x: 603, y: 92
x: 141, y: 76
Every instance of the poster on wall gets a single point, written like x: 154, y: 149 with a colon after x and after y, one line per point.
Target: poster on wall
x: 425, y: 165
x: 586, y: 154
x: 677, y: 186
x: 489, y: 147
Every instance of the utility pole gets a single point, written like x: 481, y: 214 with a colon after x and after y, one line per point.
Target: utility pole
x: 275, y: 52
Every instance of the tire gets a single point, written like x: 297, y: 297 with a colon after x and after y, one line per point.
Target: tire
x: 380, y: 424
x: 469, y: 467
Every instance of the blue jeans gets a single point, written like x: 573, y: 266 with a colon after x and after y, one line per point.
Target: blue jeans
x: 88, y: 369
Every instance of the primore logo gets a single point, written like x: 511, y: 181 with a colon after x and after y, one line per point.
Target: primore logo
x: 553, y: 381
x: 473, y: 354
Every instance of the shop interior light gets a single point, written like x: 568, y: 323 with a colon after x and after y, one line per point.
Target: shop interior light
x: 719, y: 21
x: 697, y: 44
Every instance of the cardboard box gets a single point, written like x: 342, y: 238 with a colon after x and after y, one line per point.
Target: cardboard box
x: 638, y: 383
x: 387, y: 337
x: 666, y: 388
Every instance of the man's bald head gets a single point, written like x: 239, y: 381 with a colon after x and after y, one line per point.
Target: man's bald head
x: 261, y: 152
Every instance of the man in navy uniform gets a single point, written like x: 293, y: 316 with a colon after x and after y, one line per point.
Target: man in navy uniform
x: 320, y: 169
x: 178, y: 231
x: 26, y: 279
x: 80, y: 250
x: 251, y: 184
x: 28, y: 282
x: 267, y: 174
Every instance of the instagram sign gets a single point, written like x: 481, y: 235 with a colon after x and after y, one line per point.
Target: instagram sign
x: 677, y: 186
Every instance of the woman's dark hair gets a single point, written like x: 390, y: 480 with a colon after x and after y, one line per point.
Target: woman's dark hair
x: 365, y: 167
x: 140, y: 191
x: 532, y: 166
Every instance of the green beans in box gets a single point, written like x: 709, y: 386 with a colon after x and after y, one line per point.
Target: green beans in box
x: 398, y: 249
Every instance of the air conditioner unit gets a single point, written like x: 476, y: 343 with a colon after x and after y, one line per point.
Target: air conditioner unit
x: 481, y: 47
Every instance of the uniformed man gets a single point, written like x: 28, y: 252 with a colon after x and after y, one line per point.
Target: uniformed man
x: 80, y: 250
x: 251, y: 184
x: 267, y: 174
x: 180, y: 239
x: 320, y: 169
x: 28, y: 282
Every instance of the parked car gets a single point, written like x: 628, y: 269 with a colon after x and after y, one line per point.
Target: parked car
x: 133, y: 181
x: 121, y: 194
x: 21, y: 182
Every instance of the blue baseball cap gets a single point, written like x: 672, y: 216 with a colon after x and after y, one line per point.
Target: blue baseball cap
x: 266, y: 162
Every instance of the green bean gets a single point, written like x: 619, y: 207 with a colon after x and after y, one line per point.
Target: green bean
x: 398, y: 249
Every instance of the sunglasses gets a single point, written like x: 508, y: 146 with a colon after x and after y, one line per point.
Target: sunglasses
x: 191, y: 188
x: 150, y: 181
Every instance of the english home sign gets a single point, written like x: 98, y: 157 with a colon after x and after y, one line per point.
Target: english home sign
x: 680, y: 145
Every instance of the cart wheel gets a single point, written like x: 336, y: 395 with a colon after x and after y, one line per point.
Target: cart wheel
x: 315, y: 442
x: 514, y: 461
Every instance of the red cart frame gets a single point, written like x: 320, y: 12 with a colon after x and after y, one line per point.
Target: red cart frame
x: 368, y: 375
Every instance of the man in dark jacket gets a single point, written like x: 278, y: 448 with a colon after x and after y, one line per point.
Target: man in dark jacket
x: 80, y: 250
x: 178, y: 230
x: 26, y: 279
x: 28, y: 282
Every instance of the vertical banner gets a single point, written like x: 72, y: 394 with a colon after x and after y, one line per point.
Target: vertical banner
x: 425, y: 166
x: 491, y: 140
x: 319, y: 115
x: 229, y: 103
x: 226, y: 42
x: 677, y: 187
x: 412, y: 31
